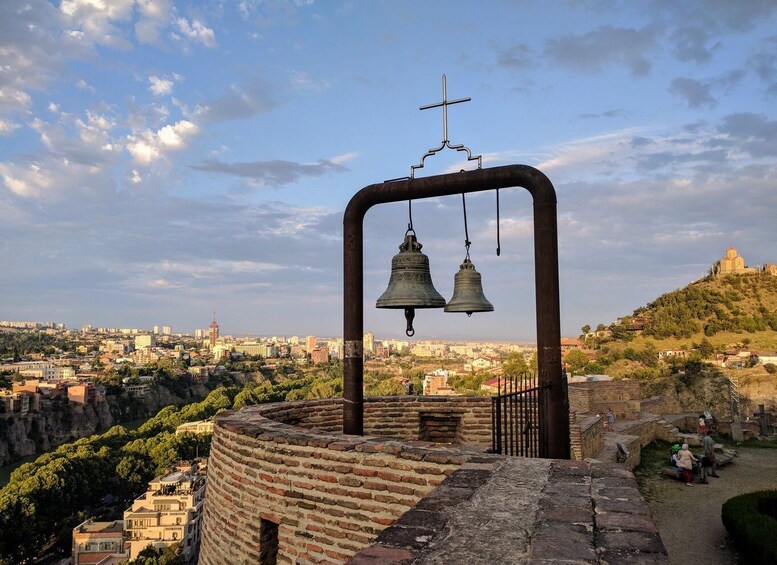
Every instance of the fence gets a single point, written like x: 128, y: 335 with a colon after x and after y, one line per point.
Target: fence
x: 515, y: 414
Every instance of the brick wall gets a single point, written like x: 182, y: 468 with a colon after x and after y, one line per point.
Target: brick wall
x: 468, y: 418
x: 329, y: 494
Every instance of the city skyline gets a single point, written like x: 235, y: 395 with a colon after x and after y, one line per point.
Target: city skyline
x: 157, y: 158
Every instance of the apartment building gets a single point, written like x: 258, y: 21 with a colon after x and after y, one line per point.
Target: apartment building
x: 98, y: 542
x: 167, y: 513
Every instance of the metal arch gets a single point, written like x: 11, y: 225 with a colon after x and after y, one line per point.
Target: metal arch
x: 554, y: 408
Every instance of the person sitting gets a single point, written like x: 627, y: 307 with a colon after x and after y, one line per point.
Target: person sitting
x: 673, y: 460
x: 686, y: 460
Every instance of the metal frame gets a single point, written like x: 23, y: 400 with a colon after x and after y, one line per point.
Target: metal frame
x: 554, y: 409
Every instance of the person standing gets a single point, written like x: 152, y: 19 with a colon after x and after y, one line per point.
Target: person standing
x: 702, y: 425
x: 685, y: 461
x: 610, y: 420
x: 709, y: 456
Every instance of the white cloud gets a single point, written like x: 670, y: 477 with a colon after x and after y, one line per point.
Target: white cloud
x: 160, y: 86
x: 94, y: 20
x: 154, y: 16
x: 83, y: 85
x: 174, y: 135
x: 196, y: 31
x: 344, y: 158
x: 148, y: 146
x: 13, y: 99
x: 6, y: 127
x: 28, y: 181
x: 163, y: 283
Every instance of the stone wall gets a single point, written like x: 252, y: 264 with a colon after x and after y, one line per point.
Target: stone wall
x: 314, y: 495
x: 579, y: 399
x: 597, y: 397
x: 586, y: 436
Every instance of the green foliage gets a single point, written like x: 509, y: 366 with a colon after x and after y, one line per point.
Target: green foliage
x: 19, y: 344
x: 469, y: 384
x: 49, y: 495
x: 729, y: 304
x: 170, y: 555
x: 385, y: 387
x: 576, y: 360
x: 751, y: 520
x: 515, y: 365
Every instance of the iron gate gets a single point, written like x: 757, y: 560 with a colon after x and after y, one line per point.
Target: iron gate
x: 515, y: 417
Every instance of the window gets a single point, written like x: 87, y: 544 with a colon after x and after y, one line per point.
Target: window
x: 268, y: 542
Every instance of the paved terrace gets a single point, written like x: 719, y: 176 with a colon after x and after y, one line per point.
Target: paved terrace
x: 524, y: 511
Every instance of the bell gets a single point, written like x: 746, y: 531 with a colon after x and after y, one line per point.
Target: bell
x: 468, y: 291
x: 410, y: 285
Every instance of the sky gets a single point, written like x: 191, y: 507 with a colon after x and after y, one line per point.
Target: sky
x: 160, y: 158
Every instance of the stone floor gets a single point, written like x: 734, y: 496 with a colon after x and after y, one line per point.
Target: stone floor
x: 511, y: 510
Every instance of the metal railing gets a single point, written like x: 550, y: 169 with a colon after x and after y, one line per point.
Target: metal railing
x: 515, y: 417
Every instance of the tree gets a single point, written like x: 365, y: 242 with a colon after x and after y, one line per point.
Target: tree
x: 586, y: 329
x: 515, y: 366
x: 576, y: 360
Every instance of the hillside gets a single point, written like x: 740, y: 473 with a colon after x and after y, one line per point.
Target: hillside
x: 724, y: 311
x: 711, y: 316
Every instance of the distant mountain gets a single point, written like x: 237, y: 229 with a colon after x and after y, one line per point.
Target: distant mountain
x: 738, y: 304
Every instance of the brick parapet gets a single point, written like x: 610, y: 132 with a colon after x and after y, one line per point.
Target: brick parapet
x: 329, y: 493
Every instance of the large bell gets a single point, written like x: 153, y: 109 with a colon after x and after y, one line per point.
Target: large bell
x: 410, y: 285
x: 468, y: 291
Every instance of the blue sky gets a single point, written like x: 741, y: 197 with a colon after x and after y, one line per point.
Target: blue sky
x: 159, y: 158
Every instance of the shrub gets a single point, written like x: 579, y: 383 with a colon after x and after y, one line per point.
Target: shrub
x: 751, y: 520
x: 771, y: 368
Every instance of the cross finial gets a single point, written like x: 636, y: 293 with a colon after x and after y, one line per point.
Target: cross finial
x: 445, y: 103
x: 445, y: 142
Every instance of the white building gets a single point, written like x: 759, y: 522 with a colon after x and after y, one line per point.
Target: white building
x: 168, y: 512
x: 144, y: 341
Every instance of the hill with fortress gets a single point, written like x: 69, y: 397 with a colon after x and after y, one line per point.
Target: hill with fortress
x: 732, y: 304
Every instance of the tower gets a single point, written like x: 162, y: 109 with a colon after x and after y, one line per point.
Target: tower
x: 214, y: 330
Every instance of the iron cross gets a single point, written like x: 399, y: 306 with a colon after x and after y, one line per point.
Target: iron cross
x: 445, y: 103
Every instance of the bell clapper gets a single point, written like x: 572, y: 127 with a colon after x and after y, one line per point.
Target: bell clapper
x: 409, y: 315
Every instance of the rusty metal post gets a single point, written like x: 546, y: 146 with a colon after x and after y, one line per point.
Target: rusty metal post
x: 554, y: 412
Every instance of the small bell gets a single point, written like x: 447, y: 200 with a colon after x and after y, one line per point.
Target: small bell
x: 468, y: 291
x: 410, y: 285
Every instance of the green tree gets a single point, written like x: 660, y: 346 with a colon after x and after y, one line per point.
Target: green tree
x: 576, y: 360
x: 515, y: 365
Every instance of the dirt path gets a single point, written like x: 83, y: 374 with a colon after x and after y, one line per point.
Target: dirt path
x: 689, y: 517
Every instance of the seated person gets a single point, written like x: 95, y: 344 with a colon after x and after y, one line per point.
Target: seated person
x: 673, y: 460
